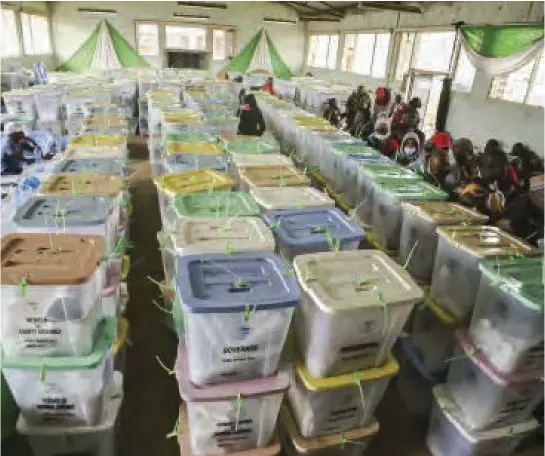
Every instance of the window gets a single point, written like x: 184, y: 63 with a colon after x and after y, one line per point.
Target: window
x: 433, y: 51
x: 465, y: 73
x: 428, y: 51
x: 147, y: 37
x: 537, y: 91
x: 36, y: 39
x: 322, y: 51
x: 366, y: 54
x: 10, y: 39
x: 181, y: 37
x: 525, y: 85
x: 223, y: 44
x: 406, y: 47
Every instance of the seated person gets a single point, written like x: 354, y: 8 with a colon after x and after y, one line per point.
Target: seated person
x: 251, y: 119
x: 19, y: 151
x: 268, y: 87
x: 409, y: 149
x: 441, y: 140
x: 407, y: 119
x: 389, y: 147
x: 492, y: 191
x: 462, y: 165
x: 332, y: 112
x: 525, y: 163
x: 381, y: 133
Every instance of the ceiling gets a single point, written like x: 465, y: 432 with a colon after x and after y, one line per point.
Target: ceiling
x: 334, y: 11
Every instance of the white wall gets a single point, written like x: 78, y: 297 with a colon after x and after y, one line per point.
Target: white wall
x: 472, y: 114
x: 27, y: 61
x: 71, y: 28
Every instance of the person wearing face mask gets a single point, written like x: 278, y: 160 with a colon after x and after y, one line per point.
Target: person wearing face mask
x: 409, y: 149
x: 381, y: 132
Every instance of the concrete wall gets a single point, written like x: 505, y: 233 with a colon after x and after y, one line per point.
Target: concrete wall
x: 71, y: 28
x: 471, y: 114
x: 50, y: 61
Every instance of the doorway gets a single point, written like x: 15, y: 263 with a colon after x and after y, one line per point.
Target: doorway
x: 182, y: 59
x: 427, y: 86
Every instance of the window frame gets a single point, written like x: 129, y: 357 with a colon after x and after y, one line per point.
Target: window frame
x: 459, y: 51
x: 327, y: 58
x: 207, y: 30
x: 531, y: 81
x: 137, y: 37
x: 226, y: 30
x: 31, y: 13
x: 18, y: 38
x: 375, y: 33
x: 397, y: 34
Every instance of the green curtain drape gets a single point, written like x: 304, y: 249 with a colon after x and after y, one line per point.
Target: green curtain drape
x: 81, y: 60
x: 127, y: 55
x: 280, y: 69
x: 501, y: 41
x: 242, y: 60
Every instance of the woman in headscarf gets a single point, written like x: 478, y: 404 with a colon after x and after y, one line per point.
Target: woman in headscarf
x: 251, y: 119
x: 462, y: 165
x: 409, y: 149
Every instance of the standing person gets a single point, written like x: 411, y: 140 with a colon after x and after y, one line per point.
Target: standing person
x: 251, y: 121
x: 332, y: 112
x: 382, y: 100
x: 241, y: 99
x: 268, y: 87
x: 396, y: 107
x: 358, y: 105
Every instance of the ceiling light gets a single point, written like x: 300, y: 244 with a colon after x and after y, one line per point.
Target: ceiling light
x: 193, y: 17
x: 279, y: 21
x: 97, y: 11
x: 319, y: 19
x: 210, y: 5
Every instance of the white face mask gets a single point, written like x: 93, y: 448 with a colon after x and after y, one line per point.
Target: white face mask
x: 409, y: 151
x: 451, y: 158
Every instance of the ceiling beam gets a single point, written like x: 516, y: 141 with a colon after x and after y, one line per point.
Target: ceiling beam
x: 291, y: 7
x: 333, y: 7
x: 319, y: 19
x: 319, y: 10
x: 389, y: 6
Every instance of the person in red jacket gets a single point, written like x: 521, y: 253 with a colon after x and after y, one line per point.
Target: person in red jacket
x: 268, y: 87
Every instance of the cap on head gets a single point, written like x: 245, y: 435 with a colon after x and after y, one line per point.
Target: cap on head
x: 441, y: 140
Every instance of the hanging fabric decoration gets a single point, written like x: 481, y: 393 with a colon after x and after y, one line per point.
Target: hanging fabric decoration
x: 502, y: 49
x: 261, y: 56
x: 105, y: 48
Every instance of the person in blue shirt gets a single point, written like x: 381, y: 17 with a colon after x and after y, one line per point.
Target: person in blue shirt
x: 19, y: 151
